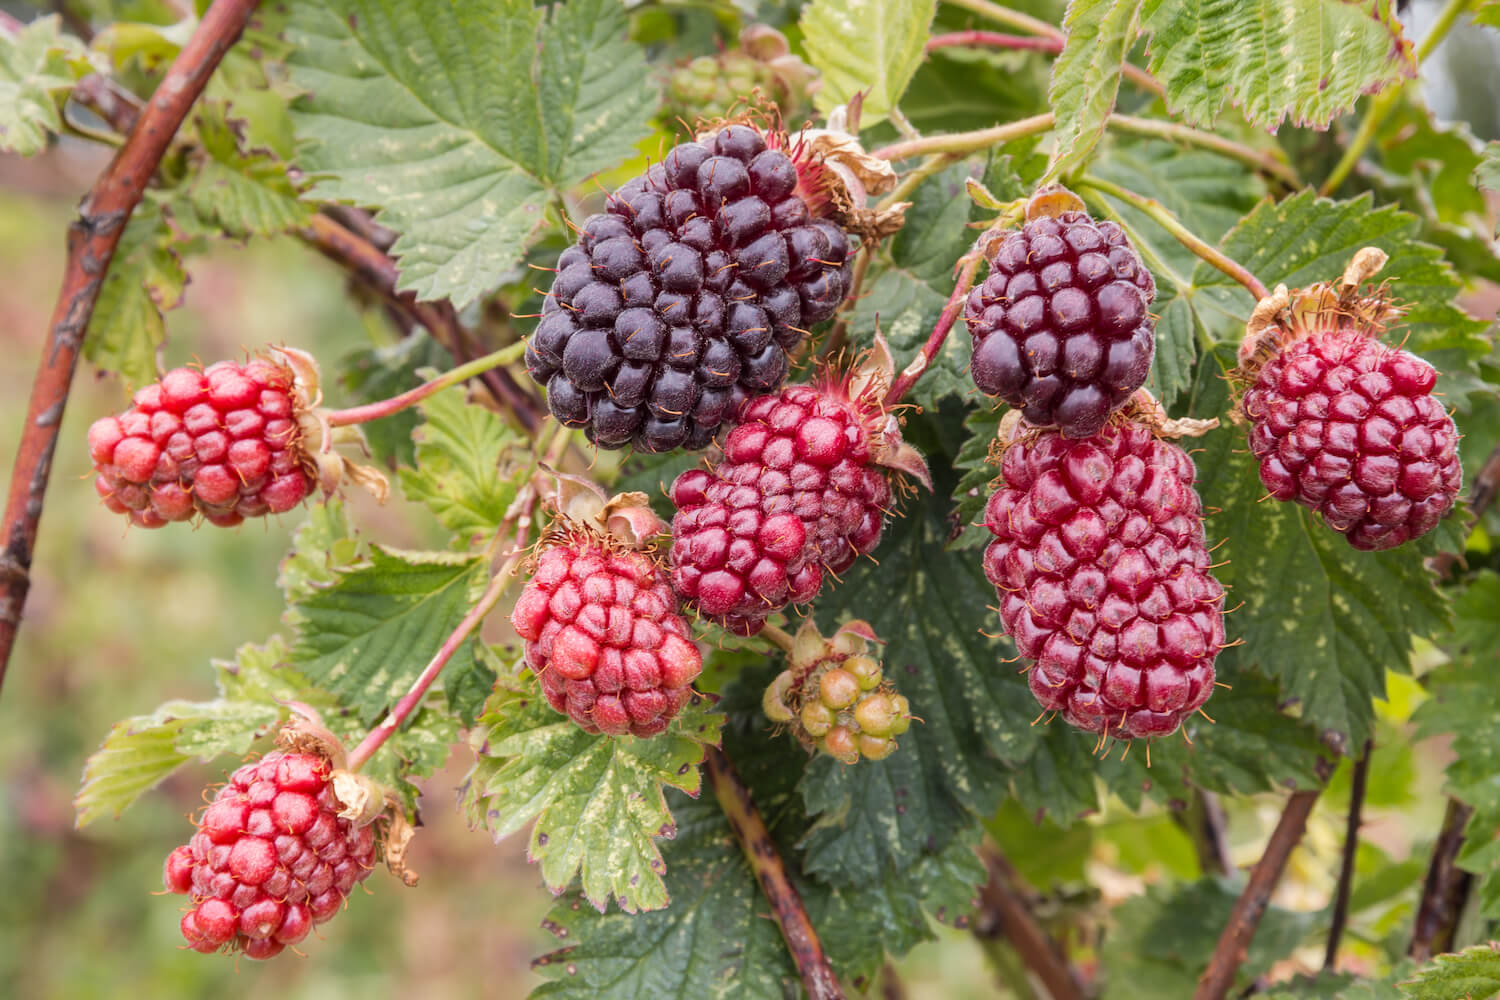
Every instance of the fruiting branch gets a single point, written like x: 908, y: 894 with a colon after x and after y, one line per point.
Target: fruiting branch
x: 92, y: 239
x: 940, y: 331
x: 1234, y: 943
x: 1383, y: 103
x: 1358, y: 782
x: 378, y: 272
x: 1163, y: 217
x: 519, y: 514
x: 1002, y: 910
x: 388, y: 407
x: 1445, y: 890
x: 770, y: 871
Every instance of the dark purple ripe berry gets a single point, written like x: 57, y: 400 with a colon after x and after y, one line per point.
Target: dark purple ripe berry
x: 1061, y: 325
x: 684, y: 297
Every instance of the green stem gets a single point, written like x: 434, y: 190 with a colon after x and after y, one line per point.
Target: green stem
x: 958, y: 144
x: 1149, y: 256
x: 386, y: 407
x: 968, y: 142
x: 1159, y: 214
x: 1385, y: 101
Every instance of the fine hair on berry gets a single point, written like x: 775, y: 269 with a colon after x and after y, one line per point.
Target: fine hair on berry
x: 1061, y: 325
x: 1100, y: 563
x: 683, y: 298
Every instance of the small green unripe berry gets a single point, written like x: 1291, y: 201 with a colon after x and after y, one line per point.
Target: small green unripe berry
x: 901, y: 714
x: 876, y: 747
x: 838, y: 688
x: 875, y: 713
x: 866, y: 670
x: 818, y: 718
x: 841, y: 743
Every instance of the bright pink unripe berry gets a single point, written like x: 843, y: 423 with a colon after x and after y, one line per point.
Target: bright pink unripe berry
x: 271, y: 858
x: 604, y: 635
x: 222, y: 442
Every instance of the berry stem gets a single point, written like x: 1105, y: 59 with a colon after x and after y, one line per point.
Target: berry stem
x: 968, y: 142
x: 520, y: 513
x: 770, y: 872
x: 1445, y: 890
x: 958, y: 144
x: 378, y: 272
x: 387, y: 407
x: 1383, y: 103
x: 1049, y: 38
x: 1003, y: 910
x: 940, y: 331
x: 92, y: 239
x: 1163, y: 217
x: 1234, y: 942
x: 1358, y: 780
x: 779, y: 636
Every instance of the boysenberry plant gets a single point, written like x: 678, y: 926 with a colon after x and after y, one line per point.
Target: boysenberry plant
x: 883, y: 464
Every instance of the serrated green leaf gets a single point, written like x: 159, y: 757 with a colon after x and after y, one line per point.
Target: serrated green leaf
x: 1331, y: 986
x: 378, y: 373
x: 1472, y: 974
x: 141, y: 751
x: 597, y: 801
x: 323, y: 546
x: 1161, y: 941
x: 242, y: 190
x: 468, y: 683
x: 367, y: 636
x: 1086, y: 77
x: 715, y: 897
x: 38, y: 65
x: 463, y: 474
x: 1322, y: 618
x: 1476, y: 630
x: 1304, y: 59
x: 460, y: 120
x: 929, y: 605
x: 145, y: 278
x: 1487, y: 173
x: 973, y: 490
x: 865, y: 46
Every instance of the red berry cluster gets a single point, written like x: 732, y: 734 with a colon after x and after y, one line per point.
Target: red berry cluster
x: 271, y: 858
x: 797, y: 493
x: 1102, y: 570
x: 223, y: 442
x: 603, y: 633
x: 1349, y: 427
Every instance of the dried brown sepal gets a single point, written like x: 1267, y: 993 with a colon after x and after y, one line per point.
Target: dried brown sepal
x: 866, y: 382
x: 317, y: 438
x: 1143, y: 407
x: 305, y: 732
x: 396, y: 840
x: 1287, y: 316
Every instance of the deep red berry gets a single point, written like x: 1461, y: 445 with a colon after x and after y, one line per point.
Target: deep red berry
x: 271, y: 858
x: 1061, y: 328
x: 1348, y: 426
x: 603, y: 633
x: 1103, y: 575
x: 683, y: 298
x: 800, y: 491
x: 223, y: 442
